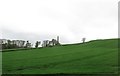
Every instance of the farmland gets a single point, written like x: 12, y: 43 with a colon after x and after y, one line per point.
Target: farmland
x: 94, y: 57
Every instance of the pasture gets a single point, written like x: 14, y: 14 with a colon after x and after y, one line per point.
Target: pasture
x: 94, y: 57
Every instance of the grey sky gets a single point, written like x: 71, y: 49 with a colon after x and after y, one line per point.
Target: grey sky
x: 70, y: 19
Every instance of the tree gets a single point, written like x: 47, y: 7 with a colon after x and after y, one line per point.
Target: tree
x: 83, y: 39
x: 9, y: 44
x: 4, y: 46
x: 27, y: 44
x: 23, y: 42
x: 37, y: 44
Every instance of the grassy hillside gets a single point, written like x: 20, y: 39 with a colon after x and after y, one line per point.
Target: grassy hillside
x: 94, y: 57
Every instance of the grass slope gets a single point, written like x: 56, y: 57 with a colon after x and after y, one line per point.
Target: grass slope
x: 94, y: 57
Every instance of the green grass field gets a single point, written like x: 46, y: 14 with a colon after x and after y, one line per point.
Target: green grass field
x: 94, y: 57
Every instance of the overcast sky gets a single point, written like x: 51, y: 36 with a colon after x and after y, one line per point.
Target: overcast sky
x: 70, y: 19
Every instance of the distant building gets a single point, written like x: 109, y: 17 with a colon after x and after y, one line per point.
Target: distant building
x: 53, y: 42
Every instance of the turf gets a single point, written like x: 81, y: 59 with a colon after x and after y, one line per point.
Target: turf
x: 94, y: 57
